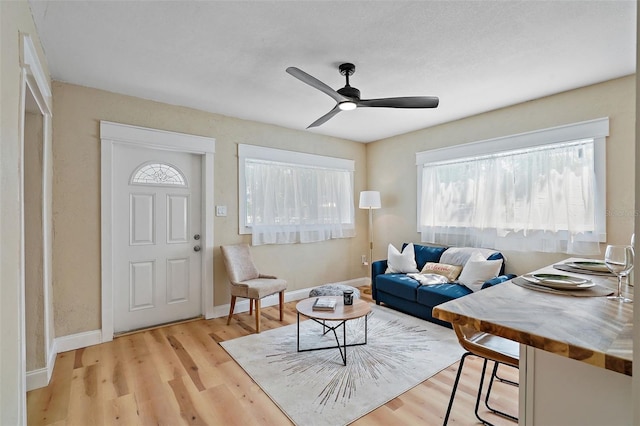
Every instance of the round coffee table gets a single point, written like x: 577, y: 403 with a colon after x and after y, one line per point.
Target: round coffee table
x: 342, y: 313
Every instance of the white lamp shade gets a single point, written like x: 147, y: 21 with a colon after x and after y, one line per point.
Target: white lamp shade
x: 370, y: 200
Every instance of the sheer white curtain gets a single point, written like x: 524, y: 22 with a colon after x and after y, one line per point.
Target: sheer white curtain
x: 534, y: 199
x: 289, y: 203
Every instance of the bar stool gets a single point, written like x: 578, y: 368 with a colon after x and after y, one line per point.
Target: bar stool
x: 491, y: 348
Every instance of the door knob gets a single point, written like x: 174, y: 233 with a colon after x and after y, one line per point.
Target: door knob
x: 196, y: 248
x: 196, y: 237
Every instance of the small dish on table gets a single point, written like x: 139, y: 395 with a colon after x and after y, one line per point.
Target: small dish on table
x: 559, y: 282
x: 590, y: 265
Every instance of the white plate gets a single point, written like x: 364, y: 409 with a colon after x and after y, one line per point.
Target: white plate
x: 559, y: 282
x: 595, y: 265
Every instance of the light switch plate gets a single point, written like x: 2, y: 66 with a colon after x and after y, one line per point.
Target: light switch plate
x: 221, y: 210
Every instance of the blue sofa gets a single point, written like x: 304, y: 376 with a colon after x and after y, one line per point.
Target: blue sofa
x: 405, y: 294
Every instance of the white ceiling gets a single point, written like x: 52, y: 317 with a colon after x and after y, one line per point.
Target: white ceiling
x: 230, y: 57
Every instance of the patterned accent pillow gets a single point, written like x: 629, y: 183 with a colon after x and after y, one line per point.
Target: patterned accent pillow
x: 451, y: 272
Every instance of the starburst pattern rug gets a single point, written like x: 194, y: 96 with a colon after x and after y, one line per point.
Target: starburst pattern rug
x: 315, y: 388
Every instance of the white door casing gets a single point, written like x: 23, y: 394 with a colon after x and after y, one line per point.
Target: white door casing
x: 155, y: 231
x: 35, y: 84
x: 113, y: 136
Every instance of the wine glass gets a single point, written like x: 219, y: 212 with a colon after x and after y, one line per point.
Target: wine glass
x: 629, y: 276
x: 619, y: 260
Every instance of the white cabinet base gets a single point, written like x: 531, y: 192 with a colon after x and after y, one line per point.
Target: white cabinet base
x: 555, y: 390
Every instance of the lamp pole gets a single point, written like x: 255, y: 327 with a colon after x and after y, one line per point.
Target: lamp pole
x: 370, y: 244
x: 370, y: 200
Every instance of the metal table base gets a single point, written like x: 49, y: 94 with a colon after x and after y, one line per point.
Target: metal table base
x: 326, y: 329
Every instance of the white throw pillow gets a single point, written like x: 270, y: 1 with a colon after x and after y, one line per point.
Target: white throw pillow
x: 401, y: 263
x: 477, y: 270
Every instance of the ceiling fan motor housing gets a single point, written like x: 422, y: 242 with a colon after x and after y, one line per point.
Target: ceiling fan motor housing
x: 350, y: 92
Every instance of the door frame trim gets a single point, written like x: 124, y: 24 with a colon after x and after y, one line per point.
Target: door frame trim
x: 34, y: 79
x: 112, y: 134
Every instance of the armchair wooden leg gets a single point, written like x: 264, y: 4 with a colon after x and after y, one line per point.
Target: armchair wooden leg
x: 257, y: 315
x: 250, y: 307
x: 233, y: 305
x: 281, y: 304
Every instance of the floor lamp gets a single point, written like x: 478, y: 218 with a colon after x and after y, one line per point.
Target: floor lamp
x: 370, y: 200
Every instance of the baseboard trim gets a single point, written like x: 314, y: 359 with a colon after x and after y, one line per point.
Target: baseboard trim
x: 37, y: 379
x: 77, y: 341
x: 42, y: 376
x: 243, y: 304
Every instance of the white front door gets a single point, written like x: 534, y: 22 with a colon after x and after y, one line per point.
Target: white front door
x: 156, y: 250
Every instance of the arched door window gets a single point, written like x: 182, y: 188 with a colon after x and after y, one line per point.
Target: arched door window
x: 158, y: 174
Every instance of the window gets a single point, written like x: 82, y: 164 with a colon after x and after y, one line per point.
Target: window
x: 158, y: 174
x: 291, y: 197
x: 537, y: 191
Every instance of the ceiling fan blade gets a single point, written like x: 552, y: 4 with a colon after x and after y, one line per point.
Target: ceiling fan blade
x: 315, y: 83
x: 405, y: 102
x: 325, y: 117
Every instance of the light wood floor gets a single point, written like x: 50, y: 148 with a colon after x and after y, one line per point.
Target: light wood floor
x: 180, y: 375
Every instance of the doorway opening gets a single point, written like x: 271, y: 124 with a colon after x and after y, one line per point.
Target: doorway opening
x: 36, y: 230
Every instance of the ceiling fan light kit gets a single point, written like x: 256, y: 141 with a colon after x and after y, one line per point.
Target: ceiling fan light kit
x: 347, y: 106
x: 348, y: 98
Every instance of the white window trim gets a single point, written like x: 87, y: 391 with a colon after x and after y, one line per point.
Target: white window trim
x: 283, y: 156
x: 598, y: 129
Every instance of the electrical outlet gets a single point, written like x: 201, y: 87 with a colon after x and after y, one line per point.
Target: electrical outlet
x: 363, y: 259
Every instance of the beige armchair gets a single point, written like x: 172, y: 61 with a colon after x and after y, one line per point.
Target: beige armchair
x: 247, y: 282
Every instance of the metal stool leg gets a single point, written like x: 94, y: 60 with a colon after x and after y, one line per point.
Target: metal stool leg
x: 479, y: 396
x: 486, y: 400
x: 507, y: 381
x: 484, y: 369
x: 455, y: 386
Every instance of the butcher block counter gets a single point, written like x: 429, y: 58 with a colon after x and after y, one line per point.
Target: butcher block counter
x: 576, y: 350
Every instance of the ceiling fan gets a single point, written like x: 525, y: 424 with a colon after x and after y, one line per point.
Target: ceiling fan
x: 348, y: 98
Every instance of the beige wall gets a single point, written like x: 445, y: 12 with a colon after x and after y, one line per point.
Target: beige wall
x: 391, y: 162
x: 15, y: 17
x: 391, y: 166
x: 76, y: 208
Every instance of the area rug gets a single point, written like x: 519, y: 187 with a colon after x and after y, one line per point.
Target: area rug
x: 315, y: 388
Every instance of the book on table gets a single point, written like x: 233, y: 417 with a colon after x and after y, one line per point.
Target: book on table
x: 324, y: 304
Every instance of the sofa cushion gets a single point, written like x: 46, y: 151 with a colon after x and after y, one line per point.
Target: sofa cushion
x: 426, y: 254
x: 497, y: 280
x: 495, y: 256
x: 436, y: 294
x: 451, y: 272
x: 399, y: 285
x: 404, y: 262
